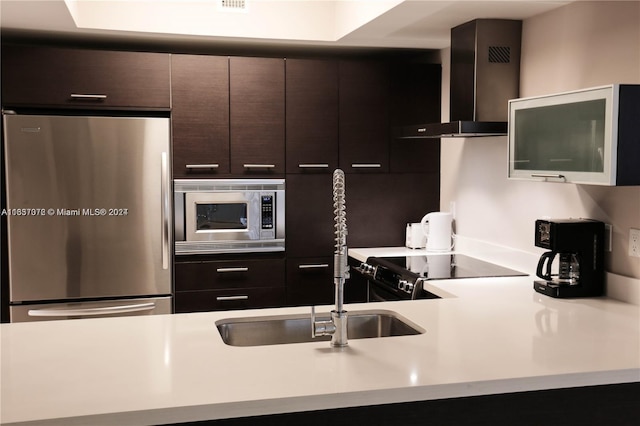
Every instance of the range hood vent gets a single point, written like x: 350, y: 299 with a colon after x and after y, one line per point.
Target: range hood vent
x: 485, y: 74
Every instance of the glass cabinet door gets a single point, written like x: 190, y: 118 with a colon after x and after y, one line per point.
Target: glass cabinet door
x: 564, y: 138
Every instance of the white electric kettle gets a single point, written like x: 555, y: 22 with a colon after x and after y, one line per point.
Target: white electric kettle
x: 437, y: 226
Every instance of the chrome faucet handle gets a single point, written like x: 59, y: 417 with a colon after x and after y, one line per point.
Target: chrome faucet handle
x: 321, y: 328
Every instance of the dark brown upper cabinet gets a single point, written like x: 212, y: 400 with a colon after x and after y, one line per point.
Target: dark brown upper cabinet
x: 415, y: 98
x: 53, y: 77
x: 257, y: 116
x: 200, y: 116
x: 364, y: 116
x: 312, y: 115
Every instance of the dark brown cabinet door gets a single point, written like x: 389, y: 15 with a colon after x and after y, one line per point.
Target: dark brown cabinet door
x: 309, y: 208
x: 200, y: 115
x: 257, y: 116
x: 88, y: 79
x: 415, y: 99
x: 312, y: 115
x: 364, y: 116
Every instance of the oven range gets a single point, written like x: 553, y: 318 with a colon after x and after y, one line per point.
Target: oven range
x: 402, y: 277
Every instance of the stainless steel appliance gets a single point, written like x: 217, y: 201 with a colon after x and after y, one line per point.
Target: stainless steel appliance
x: 229, y: 215
x: 485, y: 74
x: 579, y: 246
x: 403, y: 277
x: 88, y: 215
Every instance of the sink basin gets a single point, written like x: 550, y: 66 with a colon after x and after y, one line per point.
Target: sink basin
x: 283, y: 329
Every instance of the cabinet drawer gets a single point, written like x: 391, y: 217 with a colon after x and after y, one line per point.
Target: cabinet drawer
x: 78, y: 78
x: 221, y: 300
x: 310, y: 281
x: 236, y: 274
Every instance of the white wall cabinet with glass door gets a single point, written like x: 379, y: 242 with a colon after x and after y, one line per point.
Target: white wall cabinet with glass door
x: 589, y: 136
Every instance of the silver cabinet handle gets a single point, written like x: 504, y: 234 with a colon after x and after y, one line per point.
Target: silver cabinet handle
x: 225, y: 270
x: 223, y: 298
x: 87, y: 97
x: 165, y: 212
x: 91, y: 311
x: 543, y: 175
x: 202, y: 166
x: 366, y: 165
x: 313, y: 166
x: 259, y: 166
x: 314, y: 266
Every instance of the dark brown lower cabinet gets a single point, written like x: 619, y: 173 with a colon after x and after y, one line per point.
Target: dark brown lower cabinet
x: 218, y: 284
x: 310, y: 281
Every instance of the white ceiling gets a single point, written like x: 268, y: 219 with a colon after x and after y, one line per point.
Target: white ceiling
x: 422, y: 24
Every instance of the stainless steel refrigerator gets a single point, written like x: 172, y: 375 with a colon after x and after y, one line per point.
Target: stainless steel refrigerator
x: 88, y: 216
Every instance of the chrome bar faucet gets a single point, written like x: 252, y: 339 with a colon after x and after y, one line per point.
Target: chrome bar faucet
x: 336, y: 327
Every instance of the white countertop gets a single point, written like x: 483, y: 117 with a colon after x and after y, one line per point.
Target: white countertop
x: 489, y: 335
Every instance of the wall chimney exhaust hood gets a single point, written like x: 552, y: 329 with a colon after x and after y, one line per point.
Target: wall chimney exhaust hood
x: 485, y: 74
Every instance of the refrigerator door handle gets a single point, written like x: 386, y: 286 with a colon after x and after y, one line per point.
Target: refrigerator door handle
x: 165, y: 210
x: 92, y: 311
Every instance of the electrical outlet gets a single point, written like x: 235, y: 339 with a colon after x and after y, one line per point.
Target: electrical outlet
x: 634, y: 242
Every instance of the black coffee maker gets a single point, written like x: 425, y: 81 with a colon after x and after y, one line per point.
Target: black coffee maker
x: 579, y: 246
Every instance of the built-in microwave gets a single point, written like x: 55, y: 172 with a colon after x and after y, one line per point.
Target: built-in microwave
x: 229, y: 215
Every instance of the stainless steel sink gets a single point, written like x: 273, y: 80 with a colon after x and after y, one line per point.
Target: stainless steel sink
x: 283, y: 329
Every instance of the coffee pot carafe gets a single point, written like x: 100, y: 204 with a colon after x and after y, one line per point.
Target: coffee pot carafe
x: 568, y: 268
x: 578, y: 244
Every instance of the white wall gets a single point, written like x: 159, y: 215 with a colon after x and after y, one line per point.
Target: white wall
x: 583, y: 44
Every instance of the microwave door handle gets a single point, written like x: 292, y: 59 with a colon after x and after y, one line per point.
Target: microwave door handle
x: 83, y: 312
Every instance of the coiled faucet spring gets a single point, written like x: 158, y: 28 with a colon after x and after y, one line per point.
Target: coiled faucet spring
x: 339, y: 211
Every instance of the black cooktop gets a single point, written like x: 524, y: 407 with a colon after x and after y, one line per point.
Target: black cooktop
x: 446, y: 266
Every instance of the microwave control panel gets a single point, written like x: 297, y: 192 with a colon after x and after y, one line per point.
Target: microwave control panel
x: 267, y: 211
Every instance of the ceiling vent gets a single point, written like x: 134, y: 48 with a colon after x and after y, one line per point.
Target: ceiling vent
x: 233, y: 5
